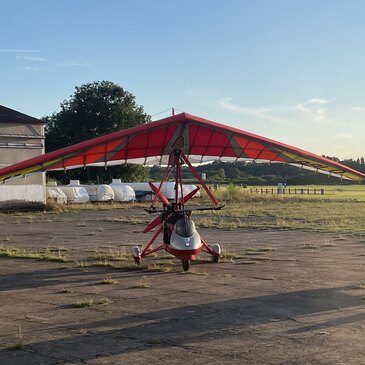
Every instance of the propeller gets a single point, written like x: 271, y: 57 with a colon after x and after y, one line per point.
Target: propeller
x: 190, y: 195
x: 159, y: 194
x: 153, y: 224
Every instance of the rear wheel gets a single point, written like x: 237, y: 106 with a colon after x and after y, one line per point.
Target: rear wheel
x: 185, y: 264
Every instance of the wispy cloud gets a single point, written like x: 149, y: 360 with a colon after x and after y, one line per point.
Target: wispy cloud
x: 30, y: 58
x: 357, y: 109
x: 314, y: 108
x: 264, y: 113
x: 19, y: 50
x: 73, y: 64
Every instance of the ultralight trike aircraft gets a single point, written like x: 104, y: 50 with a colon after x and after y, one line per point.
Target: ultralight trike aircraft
x: 173, y: 141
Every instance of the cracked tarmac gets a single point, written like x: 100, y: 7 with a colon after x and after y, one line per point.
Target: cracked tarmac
x: 302, y: 301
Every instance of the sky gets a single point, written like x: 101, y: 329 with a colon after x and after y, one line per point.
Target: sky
x: 290, y: 70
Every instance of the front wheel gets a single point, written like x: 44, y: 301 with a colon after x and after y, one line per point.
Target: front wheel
x: 185, y: 264
x: 136, y: 253
x: 216, y: 248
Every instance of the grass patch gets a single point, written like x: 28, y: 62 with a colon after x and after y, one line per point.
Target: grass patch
x: 248, y: 262
x: 254, y: 253
x: 108, y: 281
x: 262, y: 278
x: 310, y: 246
x: 47, y: 255
x: 65, y: 291
x: 89, y: 302
x: 341, y: 238
x: 111, y: 254
x: 158, y: 268
x: 226, y: 255
x: 260, y: 258
x: 141, y: 285
x: 18, y: 345
x: 131, y: 267
x: 340, y: 213
x: 104, y: 263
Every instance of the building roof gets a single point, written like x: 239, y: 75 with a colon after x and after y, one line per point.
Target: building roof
x: 8, y: 115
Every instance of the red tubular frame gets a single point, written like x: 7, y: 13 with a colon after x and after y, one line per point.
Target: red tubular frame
x: 196, y: 174
x: 176, y: 159
x: 146, y: 251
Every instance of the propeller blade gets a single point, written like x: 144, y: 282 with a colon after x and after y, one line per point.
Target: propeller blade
x: 159, y: 194
x: 153, y: 224
x: 189, y: 209
x: 190, y: 195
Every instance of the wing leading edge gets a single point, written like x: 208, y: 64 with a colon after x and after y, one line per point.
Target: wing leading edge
x: 200, y: 139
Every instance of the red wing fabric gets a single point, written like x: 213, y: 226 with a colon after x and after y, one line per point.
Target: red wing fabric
x: 200, y: 139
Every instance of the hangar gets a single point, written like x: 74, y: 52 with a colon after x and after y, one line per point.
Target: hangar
x: 21, y: 138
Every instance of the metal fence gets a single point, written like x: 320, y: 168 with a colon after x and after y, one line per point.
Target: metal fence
x: 288, y: 191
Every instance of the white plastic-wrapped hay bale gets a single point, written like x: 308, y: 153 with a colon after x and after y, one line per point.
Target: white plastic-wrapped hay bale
x: 187, y: 188
x: 168, y: 189
x: 75, y: 194
x: 56, y: 195
x: 122, y: 192
x: 100, y: 193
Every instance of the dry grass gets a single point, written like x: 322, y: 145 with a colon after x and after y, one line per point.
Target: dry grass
x: 108, y: 281
x: 158, y: 268
x: 141, y: 285
x: 359, y: 286
x: 111, y: 254
x: 47, y: 255
x: 329, y: 213
x: 88, y: 302
x: 18, y: 345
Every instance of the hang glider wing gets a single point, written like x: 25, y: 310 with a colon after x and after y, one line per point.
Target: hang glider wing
x: 200, y: 139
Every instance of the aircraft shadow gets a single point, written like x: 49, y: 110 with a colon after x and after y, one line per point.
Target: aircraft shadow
x: 189, y: 324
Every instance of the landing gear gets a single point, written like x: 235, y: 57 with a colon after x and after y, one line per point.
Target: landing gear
x: 136, y: 253
x: 216, y: 248
x: 185, y: 264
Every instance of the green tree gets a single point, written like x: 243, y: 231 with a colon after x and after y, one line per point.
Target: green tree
x: 94, y: 109
x: 221, y: 173
x: 233, y: 173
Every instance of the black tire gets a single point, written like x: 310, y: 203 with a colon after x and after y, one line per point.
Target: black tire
x: 215, y: 259
x: 185, y: 264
